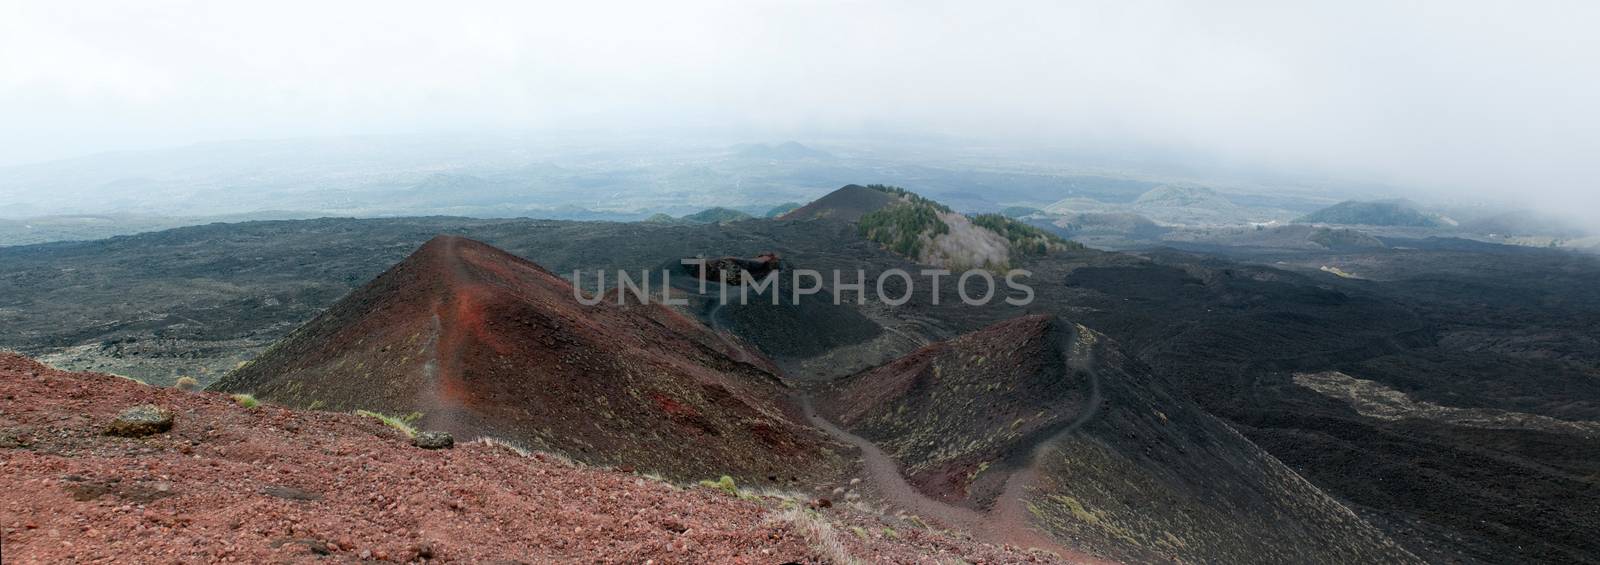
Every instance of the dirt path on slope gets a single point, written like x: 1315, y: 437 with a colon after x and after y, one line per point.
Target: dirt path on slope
x: 1000, y: 528
x: 1010, y: 506
x: 1007, y: 522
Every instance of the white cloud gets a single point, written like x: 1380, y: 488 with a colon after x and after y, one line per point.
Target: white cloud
x: 1488, y: 97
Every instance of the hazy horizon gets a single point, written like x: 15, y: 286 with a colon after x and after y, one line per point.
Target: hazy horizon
x: 1453, y: 101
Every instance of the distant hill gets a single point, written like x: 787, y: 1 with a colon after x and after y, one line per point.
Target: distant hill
x: 848, y: 204
x: 1045, y: 424
x: 716, y: 215
x: 1174, y: 205
x: 1019, y: 211
x: 928, y: 232
x: 1292, y: 236
x: 1399, y: 213
x: 782, y: 209
x: 1524, y: 222
x: 43, y: 229
x: 482, y: 343
x: 1104, y: 223
x: 786, y: 151
x: 931, y: 233
x: 1168, y: 196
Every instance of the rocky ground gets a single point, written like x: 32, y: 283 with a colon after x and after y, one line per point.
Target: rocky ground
x: 227, y: 483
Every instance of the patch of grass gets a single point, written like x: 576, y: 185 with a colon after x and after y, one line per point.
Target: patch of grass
x: 391, y: 421
x: 245, y: 400
x: 317, y: 405
x: 818, y: 533
x: 1077, y: 509
x: 724, y: 484
x: 503, y: 444
x: 187, y: 384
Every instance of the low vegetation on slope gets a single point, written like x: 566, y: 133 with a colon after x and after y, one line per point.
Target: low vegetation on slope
x: 1024, y: 239
x: 904, y: 228
x: 932, y: 233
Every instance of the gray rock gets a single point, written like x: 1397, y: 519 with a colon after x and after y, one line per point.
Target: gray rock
x: 433, y: 440
x: 141, y: 421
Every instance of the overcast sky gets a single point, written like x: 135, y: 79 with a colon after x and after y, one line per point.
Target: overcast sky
x: 1486, y: 98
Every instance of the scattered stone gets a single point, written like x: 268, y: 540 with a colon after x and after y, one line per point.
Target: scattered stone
x: 317, y: 547
x: 12, y: 440
x: 433, y: 440
x: 290, y: 493
x: 141, y: 421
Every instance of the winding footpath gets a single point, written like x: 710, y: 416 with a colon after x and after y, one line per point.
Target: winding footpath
x: 1007, y: 522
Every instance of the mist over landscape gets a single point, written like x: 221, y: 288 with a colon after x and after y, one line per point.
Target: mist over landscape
x: 298, y: 282
x: 1463, y: 104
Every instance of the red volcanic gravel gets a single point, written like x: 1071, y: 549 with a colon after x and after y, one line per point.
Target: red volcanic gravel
x: 270, y: 485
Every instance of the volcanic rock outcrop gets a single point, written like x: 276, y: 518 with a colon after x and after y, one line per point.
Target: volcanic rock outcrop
x: 731, y: 270
x: 482, y: 343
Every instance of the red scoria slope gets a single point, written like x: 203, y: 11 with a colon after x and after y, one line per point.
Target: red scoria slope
x: 273, y: 485
x: 483, y: 343
x: 995, y: 393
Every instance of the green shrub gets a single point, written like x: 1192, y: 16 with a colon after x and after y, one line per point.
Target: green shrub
x: 901, y: 226
x: 246, y: 400
x: 724, y: 484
